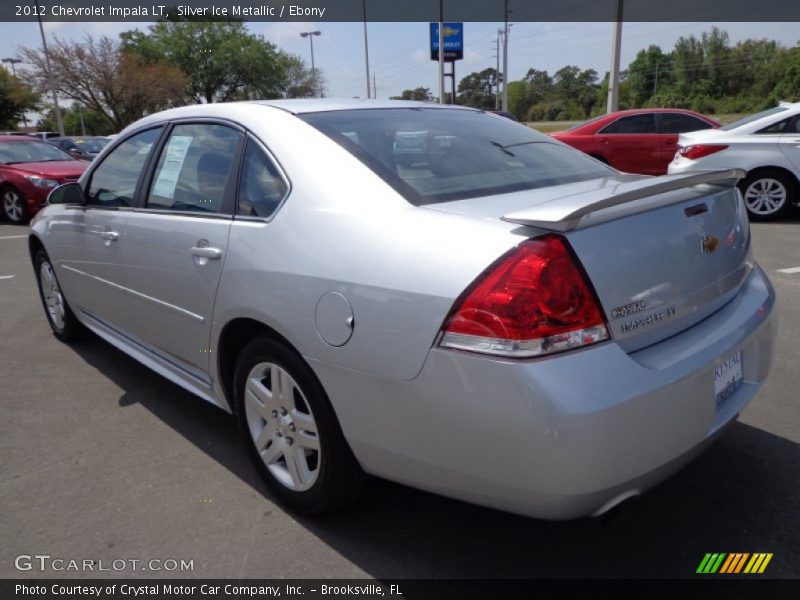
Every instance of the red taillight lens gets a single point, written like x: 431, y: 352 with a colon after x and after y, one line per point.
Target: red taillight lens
x: 700, y: 150
x: 534, y: 301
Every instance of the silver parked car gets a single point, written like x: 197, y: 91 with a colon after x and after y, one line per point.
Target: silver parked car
x: 502, y: 320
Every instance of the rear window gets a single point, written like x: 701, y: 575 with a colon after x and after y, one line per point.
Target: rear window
x: 438, y: 155
x: 755, y: 117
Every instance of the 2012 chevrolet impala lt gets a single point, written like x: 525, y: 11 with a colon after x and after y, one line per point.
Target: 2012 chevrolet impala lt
x: 434, y: 295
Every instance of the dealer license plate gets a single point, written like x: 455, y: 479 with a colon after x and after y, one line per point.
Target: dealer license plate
x: 728, y: 378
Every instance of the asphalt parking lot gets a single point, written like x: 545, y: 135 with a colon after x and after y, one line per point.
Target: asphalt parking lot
x: 102, y: 459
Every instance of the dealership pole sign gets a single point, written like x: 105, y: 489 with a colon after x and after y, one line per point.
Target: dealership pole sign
x: 453, y: 41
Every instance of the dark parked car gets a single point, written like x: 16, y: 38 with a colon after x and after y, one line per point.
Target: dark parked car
x: 29, y: 169
x: 635, y: 141
x: 82, y: 147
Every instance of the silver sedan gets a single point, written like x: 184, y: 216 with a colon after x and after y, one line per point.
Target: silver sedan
x: 484, y: 313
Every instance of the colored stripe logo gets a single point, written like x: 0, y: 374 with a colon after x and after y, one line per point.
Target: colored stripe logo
x: 734, y: 563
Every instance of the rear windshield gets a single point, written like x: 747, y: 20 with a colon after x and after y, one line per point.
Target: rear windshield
x: 438, y: 155
x: 93, y: 145
x: 755, y: 117
x: 24, y: 151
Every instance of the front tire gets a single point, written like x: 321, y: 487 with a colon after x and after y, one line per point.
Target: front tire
x: 62, y: 320
x: 768, y: 194
x: 13, y: 206
x: 291, y: 432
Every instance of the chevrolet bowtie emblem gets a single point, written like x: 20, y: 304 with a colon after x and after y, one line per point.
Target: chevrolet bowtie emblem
x: 709, y: 244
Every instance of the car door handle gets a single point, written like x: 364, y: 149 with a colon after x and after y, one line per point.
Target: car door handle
x: 109, y: 236
x: 207, y: 252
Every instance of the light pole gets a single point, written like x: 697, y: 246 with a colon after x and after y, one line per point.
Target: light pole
x: 12, y: 61
x: 366, y: 47
x: 613, y: 75
x: 310, y: 35
x: 505, y: 59
x: 50, y: 73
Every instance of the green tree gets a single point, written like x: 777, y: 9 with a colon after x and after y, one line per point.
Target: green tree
x: 15, y: 98
x: 222, y: 60
x: 650, y: 68
x: 94, y: 122
x: 420, y: 94
x: 477, y: 89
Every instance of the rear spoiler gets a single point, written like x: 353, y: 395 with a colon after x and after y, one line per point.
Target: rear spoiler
x: 572, y: 212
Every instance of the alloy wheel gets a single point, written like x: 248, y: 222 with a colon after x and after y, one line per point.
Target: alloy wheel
x: 53, y: 299
x: 12, y: 206
x: 282, y: 426
x: 765, y: 196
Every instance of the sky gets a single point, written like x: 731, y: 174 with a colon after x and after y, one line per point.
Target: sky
x: 399, y: 54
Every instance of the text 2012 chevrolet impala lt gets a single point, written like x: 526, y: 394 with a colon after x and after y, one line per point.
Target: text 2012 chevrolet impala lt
x: 495, y: 317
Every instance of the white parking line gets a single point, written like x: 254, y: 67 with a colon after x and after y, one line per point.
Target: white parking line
x: 6, y: 276
x: 12, y: 237
x: 791, y: 270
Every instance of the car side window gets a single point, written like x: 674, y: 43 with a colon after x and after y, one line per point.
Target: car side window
x: 680, y: 123
x: 194, y: 168
x: 261, y: 187
x: 784, y: 126
x: 113, y: 182
x: 645, y: 123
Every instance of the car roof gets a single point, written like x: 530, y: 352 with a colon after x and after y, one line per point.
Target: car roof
x: 632, y: 111
x: 20, y: 138
x: 293, y: 106
x: 311, y: 105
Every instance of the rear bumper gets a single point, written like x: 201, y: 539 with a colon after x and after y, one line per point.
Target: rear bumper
x: 560, y: 437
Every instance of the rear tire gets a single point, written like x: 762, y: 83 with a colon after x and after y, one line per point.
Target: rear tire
x: 62, y: 320
x: 13, y: 206
x: 768, y: 194
x: 291, y: 431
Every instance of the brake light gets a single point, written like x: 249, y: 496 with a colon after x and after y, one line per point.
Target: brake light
x: 535, y: 300
x: 700, y: 150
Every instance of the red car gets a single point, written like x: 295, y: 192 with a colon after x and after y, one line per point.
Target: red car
x: 635, y: 141
x: 29, y: 169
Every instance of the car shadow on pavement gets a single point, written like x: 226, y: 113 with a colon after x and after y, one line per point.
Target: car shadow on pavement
x: 741, y: 495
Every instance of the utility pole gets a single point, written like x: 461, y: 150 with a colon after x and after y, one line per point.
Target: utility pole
x: 441, y: 52
x: 655, y: 82
x: 50, y: 73
x: 80, y: 114
x: 374, y: 86
x: 366, y: 46
x: 505, y: 58
x: 497, y: 72
x: 613, y: 76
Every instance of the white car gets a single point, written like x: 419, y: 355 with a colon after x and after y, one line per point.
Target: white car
x: 766, y: 145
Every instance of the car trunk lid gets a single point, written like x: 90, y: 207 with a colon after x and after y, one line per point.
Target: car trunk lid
x: 662, y: 253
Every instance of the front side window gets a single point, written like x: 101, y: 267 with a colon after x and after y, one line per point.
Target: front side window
x: 645, y: 123
x: 431, y: 155
x: 114, y: 181
x: 194, y: 168
x: 261, y: 188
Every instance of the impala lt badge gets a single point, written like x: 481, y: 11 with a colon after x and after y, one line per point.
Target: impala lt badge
x: 709, y: 244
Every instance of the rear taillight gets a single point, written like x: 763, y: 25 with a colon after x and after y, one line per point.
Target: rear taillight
x: 535, y: 300
x: 700, y: 150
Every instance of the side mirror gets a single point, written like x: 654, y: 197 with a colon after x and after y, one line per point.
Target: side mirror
x: 68, y: 193
x: 75, y: 151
